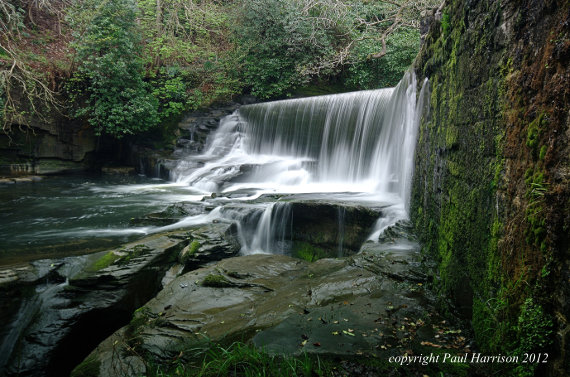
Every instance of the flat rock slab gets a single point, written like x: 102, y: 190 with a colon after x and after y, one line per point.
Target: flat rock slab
x: 364, y: 304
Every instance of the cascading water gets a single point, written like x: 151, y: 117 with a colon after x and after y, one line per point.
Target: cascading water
x: 361, y: 142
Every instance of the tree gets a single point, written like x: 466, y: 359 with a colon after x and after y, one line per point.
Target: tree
x: 109, y: 80
x: 281, y: 42
x: 289, y: 43
x: 23, y: 89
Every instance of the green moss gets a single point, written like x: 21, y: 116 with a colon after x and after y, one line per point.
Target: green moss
x: 194, y: 247
x: 309, y: 252
x: 445, y: 24
x: 88, y: 368
x: 542, y: 153
x: 216, y: 281
x: 105, y: 261
x: 451, y: 135
x: 453, y: 168
x: 535, y: 130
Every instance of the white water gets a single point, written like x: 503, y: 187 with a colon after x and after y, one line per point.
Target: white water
x: 360, y: 143
x: 353, y: 142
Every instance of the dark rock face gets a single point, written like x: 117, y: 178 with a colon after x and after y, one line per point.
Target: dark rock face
x: 492, y: 186
x: 192, y: 132
x: 70, y: 318
x: 46, y: 146
x: 331, y: 226
x: 309, y: 229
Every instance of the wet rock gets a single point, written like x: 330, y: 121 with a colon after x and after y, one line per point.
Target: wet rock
x: 402, y: 230
x: 170, y: 215
x: 64, y: 321
x: 211, y: 242
x: 332, y: 306
x: 118, y: 170
x: 331, y: 225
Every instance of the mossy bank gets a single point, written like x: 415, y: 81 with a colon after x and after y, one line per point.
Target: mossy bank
x: 491, y: 188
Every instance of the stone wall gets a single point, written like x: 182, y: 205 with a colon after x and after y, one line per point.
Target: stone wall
x: 491, y: 194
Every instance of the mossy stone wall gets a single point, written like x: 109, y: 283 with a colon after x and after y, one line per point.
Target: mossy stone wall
x: 491, y: 192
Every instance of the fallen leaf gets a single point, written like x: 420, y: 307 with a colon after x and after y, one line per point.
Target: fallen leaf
x: 317, y: 344
x: 430, y: 344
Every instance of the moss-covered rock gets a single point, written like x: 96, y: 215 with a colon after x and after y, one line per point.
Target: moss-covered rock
x: 491, y: 190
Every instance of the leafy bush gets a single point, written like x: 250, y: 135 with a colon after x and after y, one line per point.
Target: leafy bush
x: 109, y: 80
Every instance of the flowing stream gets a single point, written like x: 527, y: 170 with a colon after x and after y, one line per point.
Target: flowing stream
x: 352, y: 147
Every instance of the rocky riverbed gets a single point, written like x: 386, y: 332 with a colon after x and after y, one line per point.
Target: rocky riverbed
x: 373, y: 304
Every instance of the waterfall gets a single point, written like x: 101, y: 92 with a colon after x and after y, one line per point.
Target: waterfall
x: 271, y: 231
x: 360, y: 142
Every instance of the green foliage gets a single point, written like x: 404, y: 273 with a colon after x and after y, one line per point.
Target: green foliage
x: 189, y: 58
x: 170, y: 89
x: 244, y: 360
x: 142, y: 62
x: 534, y: 328
x: 366, y: 73
x: 533, y: 334
x: 109, y: 80
x: 279, y: 41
